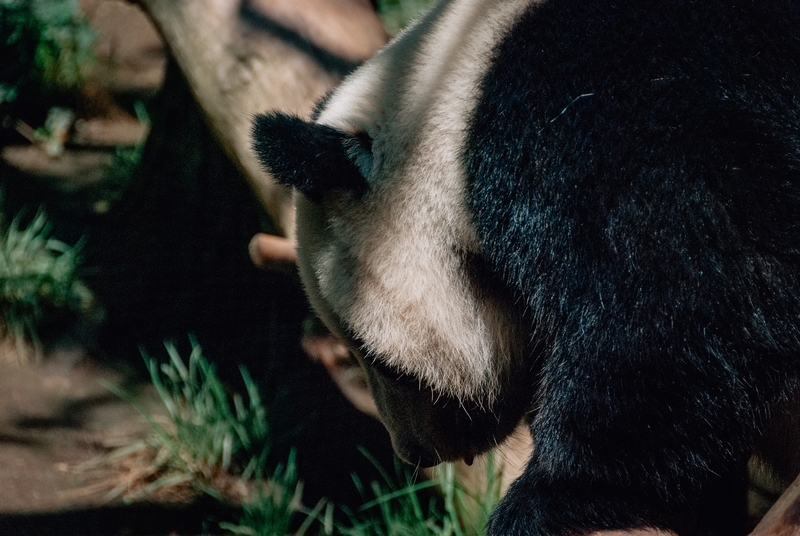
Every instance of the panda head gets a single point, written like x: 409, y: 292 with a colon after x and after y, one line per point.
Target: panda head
x: 387, y: 249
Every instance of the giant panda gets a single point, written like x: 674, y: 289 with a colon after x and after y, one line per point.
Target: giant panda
x: 579, y: 214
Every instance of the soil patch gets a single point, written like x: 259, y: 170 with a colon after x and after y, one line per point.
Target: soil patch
x: 58, y: 423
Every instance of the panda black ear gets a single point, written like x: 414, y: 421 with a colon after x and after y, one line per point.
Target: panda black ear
x: 310, y: 157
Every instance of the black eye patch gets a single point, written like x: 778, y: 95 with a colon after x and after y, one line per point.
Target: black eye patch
x: 359, y: 151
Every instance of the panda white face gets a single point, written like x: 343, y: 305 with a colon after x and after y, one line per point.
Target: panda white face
x: 391, y: 260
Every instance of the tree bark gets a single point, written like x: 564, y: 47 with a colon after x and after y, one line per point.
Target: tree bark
x: 243, y: 57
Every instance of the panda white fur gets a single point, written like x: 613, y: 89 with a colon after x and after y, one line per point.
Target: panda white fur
x: 580, y: 213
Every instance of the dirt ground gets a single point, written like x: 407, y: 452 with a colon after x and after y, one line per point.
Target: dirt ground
x: 58, y: 424
x: 55, y: 419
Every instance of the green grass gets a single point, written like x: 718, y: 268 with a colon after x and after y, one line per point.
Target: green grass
x: 37, y: 279
x: 213, y: 439
x: 442, y: 507
x: 275, y: 506
x: 212, y: 428
x: 400, y: 506
x: 211, y: 436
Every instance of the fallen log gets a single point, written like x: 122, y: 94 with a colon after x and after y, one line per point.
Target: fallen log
x: 242, y: 57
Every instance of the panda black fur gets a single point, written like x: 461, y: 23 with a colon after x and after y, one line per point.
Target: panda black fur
x: 580, y: 212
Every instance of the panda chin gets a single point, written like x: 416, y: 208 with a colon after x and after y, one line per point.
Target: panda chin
x: 430, y: 455
x: 428, y: 428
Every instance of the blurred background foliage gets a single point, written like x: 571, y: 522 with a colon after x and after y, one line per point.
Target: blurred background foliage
x: 397, y: 14
x: 44, y: 43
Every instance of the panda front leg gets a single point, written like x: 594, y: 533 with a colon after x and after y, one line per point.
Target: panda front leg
x: 633, y: 444
x: 534, y: 505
